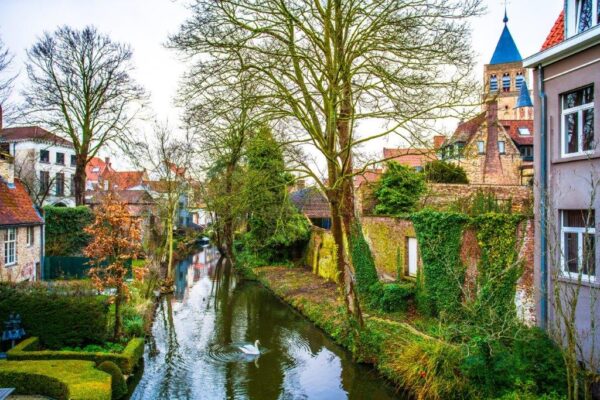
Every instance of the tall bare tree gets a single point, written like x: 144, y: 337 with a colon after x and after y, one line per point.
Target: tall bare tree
x: 80, y: 87
x: 324, y: 66
x: 6, y: 79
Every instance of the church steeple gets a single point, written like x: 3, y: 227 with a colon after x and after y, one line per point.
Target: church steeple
x: 506, y: 49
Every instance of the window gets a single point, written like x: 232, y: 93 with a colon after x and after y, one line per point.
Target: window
x: 578, y: 121
x: 526, y: 152
x: 96, y: 169
x: 506, y: 82
x: 30, y: 237
x: 586, y: 14
x: 493, y: 83
x: 44, y: 181
x: 519, y: 80
x: 412, y: 259
x: 419, y: 168
x: 524, y: 132
x: 578, y: 244
x: 10, y: 246
x: 480, y: 147
x: 72, y: 186
x: 501, y: 147
x: 60, y: 158
x: 60, y: 184
x: 73, y: 160
x: 44, y: 156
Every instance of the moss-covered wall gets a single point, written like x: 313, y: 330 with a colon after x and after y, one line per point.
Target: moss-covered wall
x: 321, y: 254
x: 387, y: 238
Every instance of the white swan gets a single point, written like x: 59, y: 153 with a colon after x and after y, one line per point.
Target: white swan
x: 250, y: 349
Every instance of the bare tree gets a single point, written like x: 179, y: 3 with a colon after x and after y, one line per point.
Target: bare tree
x: 80, y: 87
x: 321, y: 67
x: 38, y: 188
x: 6, y: 80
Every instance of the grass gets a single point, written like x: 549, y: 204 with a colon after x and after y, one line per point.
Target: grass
x: 70, y: 379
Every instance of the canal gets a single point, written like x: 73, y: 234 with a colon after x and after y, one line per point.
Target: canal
x: 194, y: 350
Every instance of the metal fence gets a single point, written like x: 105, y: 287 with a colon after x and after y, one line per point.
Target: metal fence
x: 57, y: 267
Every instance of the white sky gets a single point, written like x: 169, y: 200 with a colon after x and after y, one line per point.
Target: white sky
x: 146, y: 24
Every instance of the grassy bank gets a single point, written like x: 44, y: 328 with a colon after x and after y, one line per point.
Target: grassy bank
x: 412, y: 357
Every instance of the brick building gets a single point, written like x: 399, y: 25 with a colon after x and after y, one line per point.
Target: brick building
x: 21, y: 228
x: 496, y: 146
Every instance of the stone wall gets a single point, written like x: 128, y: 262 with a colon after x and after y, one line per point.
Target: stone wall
x: 321, y: 254
x: 440, y: 196
x: 27, y: 257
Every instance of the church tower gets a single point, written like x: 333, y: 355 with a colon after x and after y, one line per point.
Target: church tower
x: 506, y: 80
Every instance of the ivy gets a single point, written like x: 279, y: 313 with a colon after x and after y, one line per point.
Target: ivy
x: 65, y: 235
x: 363, y: 262
x: 499, y: 268
x: 439, y: 285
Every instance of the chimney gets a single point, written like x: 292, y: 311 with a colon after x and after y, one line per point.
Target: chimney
x: 438, y: 141
x: 107, y: 161
x: 7, y: 171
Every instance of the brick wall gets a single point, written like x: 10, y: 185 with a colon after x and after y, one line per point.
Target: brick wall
x: 27, y: 257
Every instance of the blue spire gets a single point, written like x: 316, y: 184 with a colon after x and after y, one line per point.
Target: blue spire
x: 506, y: 49
x: 524, y: 99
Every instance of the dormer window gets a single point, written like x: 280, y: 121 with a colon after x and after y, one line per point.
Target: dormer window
x: 506, y: 82
x: 493, y: 83
x: 583, y: 15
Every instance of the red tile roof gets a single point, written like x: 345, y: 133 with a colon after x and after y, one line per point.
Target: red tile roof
x: 557, y: 33
x: 33, y: 133
x: 311, y: 202
x: 16, y: 208
x: 94, y: 169
x: 369, y: 175
x: 122, y: 180
x: 512, y: 128
x: 410, y: 157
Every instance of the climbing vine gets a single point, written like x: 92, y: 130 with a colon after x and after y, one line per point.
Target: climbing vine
x: 439, y: 235
x: 362, y: 259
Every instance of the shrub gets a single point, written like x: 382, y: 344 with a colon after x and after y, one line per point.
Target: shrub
x: 118, y: 384
x: 399, y: 190
x: 127, y: 360
x: 392, y: 297
x: 443, y: 172
x: 134, y: 326
x: 64, y: 380
x: 58, y: 319
x: 64, y: 230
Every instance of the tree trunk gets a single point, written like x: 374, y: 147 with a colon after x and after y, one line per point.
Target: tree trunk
x: 118, y: 300
x: 80, y: 179
x: 228, y: 225
x: 170, y: 249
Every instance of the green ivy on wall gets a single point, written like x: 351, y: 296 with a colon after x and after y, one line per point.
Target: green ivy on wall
x: 362, y: 260
x: 439, y: 285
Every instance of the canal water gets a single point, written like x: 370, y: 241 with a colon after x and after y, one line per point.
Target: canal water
x: 194, y: 351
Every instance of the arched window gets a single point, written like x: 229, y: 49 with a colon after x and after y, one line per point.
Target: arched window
x: 493, y: 83
x: 519, y: 80
x: 506, y: 82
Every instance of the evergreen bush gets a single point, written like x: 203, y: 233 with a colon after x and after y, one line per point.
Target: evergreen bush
x: 399, y: 190
x: 438, y: 171
x: 118, y: 384
x: 64, y: 230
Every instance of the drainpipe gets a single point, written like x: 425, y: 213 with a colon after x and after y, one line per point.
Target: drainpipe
x: 544, y: 200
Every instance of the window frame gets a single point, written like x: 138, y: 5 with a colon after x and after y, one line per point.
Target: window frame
x: 73, y: 160
x: 580, y: 231
x: 519, y: 80
x: 502, y: 149
x: 30, y: 236
x: 506, y: 78
x: 482, y: 150
x: 595, y: 17
x: 579, y: 111
x: 60, y: 183
x: 8, y: 241
x: 45, y: 160
x: 58, y: 153
x: 494, y: 82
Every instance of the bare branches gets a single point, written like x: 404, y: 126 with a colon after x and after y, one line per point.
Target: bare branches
x: 6, y: 80
x: 80, y: 88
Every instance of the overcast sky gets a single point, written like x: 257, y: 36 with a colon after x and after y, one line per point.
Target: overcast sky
x: 146, y: 25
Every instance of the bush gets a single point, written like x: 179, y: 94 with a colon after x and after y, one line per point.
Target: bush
x: 399, y: 190
x: 127, y: 360
x: 64, y: 380
x: 58, y: 319
x: 64, y: 230
x: 392, y: 297
x: 118, y: 384
x: 443, y: 172
x: 134, y: 326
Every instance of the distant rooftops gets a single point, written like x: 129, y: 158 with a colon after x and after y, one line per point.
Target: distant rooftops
x: 557, y: 33
x: 32, y: 133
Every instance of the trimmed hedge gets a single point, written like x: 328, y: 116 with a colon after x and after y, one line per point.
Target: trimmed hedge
x: 126, y: 360
x: 58, y: 319
x: 119, y: 386
x: 64, y: 380
x: 64, y: 230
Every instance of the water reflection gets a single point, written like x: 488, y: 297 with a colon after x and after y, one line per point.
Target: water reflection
x: 193, y: 353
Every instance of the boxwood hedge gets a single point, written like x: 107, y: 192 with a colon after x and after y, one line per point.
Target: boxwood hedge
x: 64, y: 380
x: 126, y: 360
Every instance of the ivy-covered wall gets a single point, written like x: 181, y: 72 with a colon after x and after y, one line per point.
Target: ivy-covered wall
x: 320, y: 254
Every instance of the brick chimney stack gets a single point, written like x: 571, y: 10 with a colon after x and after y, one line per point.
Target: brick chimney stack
x: 107, y: 161
x: 493, y: 167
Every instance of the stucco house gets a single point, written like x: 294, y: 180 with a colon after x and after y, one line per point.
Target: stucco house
x: 21, y: 228
x: 44, y: 163
x: 567, y: 173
